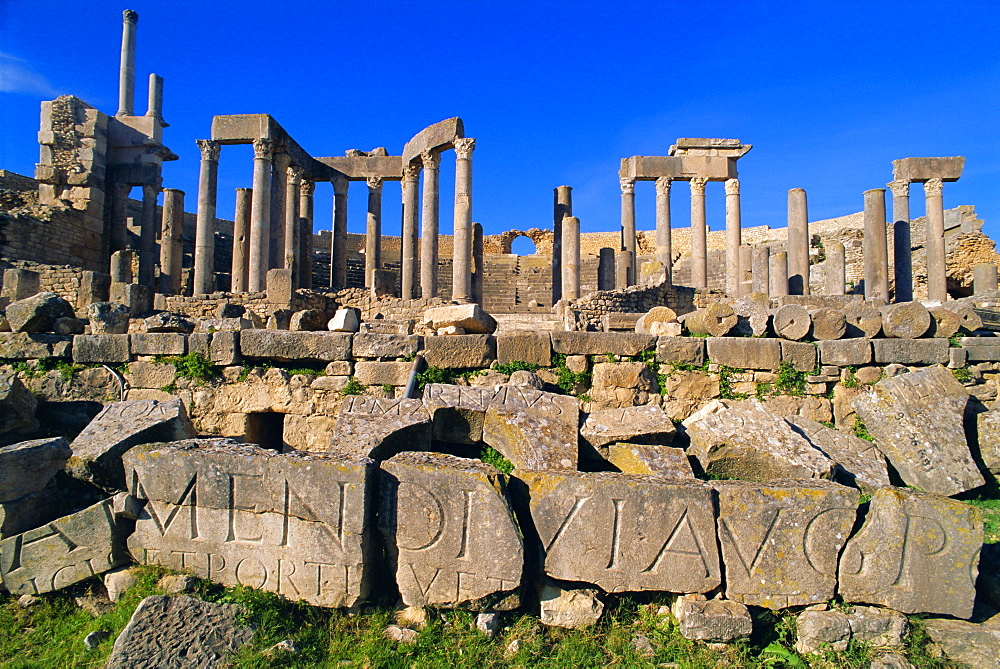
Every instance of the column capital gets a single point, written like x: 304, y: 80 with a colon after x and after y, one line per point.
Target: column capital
x: 294, y: 173
x: 464, y: 147
x: 628, y: 186
x: 130, y: 16
x: 697, y: 185
x: 933, y: 187
x: 899, y: 188
x: 340, y: 185
x: 209, y: 149
x: 732, y: 186
x: 375, y: 184
x: 307, y: 187
x: 263, y: 149
x: 663, y: 185
x: 151, y: 190
x: 411, y: 172
x: 430, y: 160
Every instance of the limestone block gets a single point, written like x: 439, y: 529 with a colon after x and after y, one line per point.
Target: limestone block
x: 622, y: 384
x: 69, y: 326
x: 387, y: 326
x: 641, y: 425
x: 379, y: 373
x: 279, y: 319
x: 22, y: 345
x: 311, y: 433
x: 916, y: 553
x: 655, y: 315
x: 681, y: 350
x: 714, y: 621
x: 686, y: 391
x: 822, y: 629
x: 906, y: 320
x: 944, y: 322
x: 974, y: 645
x: 744, y: 352
x: 200, y: 343
x: 877, y: 627
x: 282, y: 345
x: 863, y: 320
x: 458, y: 351
x: 845, y: 352
x: 279, y: 286
x: 385, y: 346
x: 981, y: 349
x: 666, y: 329
x: 469, y: 317
x: 376, y: 427
x: 210, y: 325
x: 165, y: 343
x: 531, y: 347
x: 344, y: 320
x: 19, y: 284
x: 651, y: 460
x: 98, y: 450
x: 28, y: 466
x: 625, y: 533
x: 752, y: 317
x: 450, y: 533
x: 747, y: 441
x: 989, y: 439
x: 37, y: 313
x: 780, y: 540
x: 859, y: 462
x: 168, y: 322
x: 828, y: 324
x: 525, y: 379
x: 224, y: 348
x: 599, y: 343
x: 308, y: 320
x: 32, y: 510
x: 104, y: 348
x: 63, y: 552
x: 916, y: 420
x: 572, y: 608
x: 143, y: 374
x: 108, y: 318
x: 811, y: 407
x: 715, y: 320
x: 792, y: 322
x: 237, y: 514
x: 17, y: 408
x: 911, y: 351
x: 155, y: 636
x: 800, y: 355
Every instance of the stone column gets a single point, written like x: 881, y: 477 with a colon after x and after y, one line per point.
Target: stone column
x: 562, y: 206
x: 836, y: 268
x: 571, y: 258
x: 126, y: 69
x: 746, y: 270
x: 478, y: 260
x: 937, y: 275
x: 411, y: 199
x: 304, y: 266
x: 171, y: 241
x: 606, y: 269
x: 429, y: 225
x: 461, y: 265
x: 204, y: 236
x: 798, y: 242
x: 279, y: 188
x: 984, y: 278
x: 148, y: 255
x: 733, y: 237
x: 664, y: 252
x: 241, y: 240
x: 778, y: 274
x: 902, y: 254
x: 628, y: 225
x: 260, y: 216
x: 154, y: 104
x: 875, y: 249
x: 761, y: 271
x: 373, y: 231
x: 121, y: 267
x: 118, y: 228
x: 623, y: 269
x: 338, y: 240
x: 699, y: 234
x: 290, y: 235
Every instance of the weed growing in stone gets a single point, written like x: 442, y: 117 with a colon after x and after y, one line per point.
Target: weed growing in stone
x: 515, y: 366
x: 850, y: 380
x: 193, y: 366
x: 861, y: 431
x: 492, y: 456
x: 790, y: 381
x: 353, y: 387
x: 568, y: 379
x: 963, y: 375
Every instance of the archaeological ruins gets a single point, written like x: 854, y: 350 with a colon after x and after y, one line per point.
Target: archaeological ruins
x: 749, y: 417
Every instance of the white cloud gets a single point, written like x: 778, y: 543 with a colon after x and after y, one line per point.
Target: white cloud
x: 16, y: 76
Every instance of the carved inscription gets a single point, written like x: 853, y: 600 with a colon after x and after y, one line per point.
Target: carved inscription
x: 379, y: 427
x: 502, y: 398
x: 625, y: 533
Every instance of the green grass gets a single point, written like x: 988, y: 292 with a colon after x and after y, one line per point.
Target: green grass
x: 193, y: 366
x: 861, y: 431
x: 963, y: 375
x: 491, y: 456
x: 434, y: 374
x: 353, y: 387
x: 790, y: 381
x: 569, y: 380
x: 515, y: 366
x: 726, y: 383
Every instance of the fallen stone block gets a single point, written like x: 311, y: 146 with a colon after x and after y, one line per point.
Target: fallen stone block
x: 791, y: 321
x: 288, y: 346
x: 905, y: 320
x: 657, y: 315
x: 37, y: 313
x: 102, y: 348
x: 530, y: 347
x: 816, y: 630
x: 981, y: 349
x: 308, y: 320
x: 988, y: 424
x: 158, y: 343
x: 572, y: 608
x: 450, y: 533
x: 780, y: 540
x: 469, y: 317
x: 599, y: 343
x: 859, y: 462
x: 69, y: 326
x: 17, y: 409
x: 238, y: 514
x: 916, y: 420
x: 28, y: 466
x: 168, y: 322
x: 828, y: 324
x: 806, y: 406
x: 714, y: 621
x: 715, y: 320
x: 31, y: 511
x: 625, y: 533
x: 911, y: 351
x: 651, y: 460
x: 863, y: 320
x: 33, y: 346
x: 344, y: 320
x: 108, y: 318
x: 640, y: 425
x: 744, y: 352
x: 944, y: 322
x: 460, y: 351
x: 378, y: 428
x: 877, y: 627
x: 974, y: 645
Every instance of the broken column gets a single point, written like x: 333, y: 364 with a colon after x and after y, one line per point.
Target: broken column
x: 338, y: 240
x: 288, y: 253
x: 121, y: 267
x: 606, y: 269
x: 562, y: 206
x: 126, y: 70
x: 778, y: 274
x: 664, y: 252
x: 984, y: 278
x: 836, y: 268
x: 760, y: 278
x: 571, y: 257
x: 733, y: 237
x: 260, y: 215
x: 147, y: 234
x: 411, y: 198
x: 937, y: 277
x: 241, y: 240
x: 699, y: 234
x: 204, y: 245
x: 628, y: 224
x: 303, y: 264
x: 901, y: 247
x: 429, y: 225
x: 154, y: 102
x: 798, y: 242
x: 373, y: 231
x: 461, y: 255
x: 478, y: 260
x: 171, y: 241
x: 876, y: 253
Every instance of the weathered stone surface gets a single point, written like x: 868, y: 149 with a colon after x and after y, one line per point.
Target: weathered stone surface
x: 780, y: 540
x: 17, y: 408
x: 168, y: 322
x: 63, y: 552
x: 450, y: 533
x: 988, y: 424
x: 845, y: 352
x: 863, y: 320
x: 744, y: 352
x: 98, y: 450
x: 572, y: 608
x: 379, y: 373
x: 747, y: 441
x: 980, y: 349
x: 752, y: 317
x: 37, y: 313
x: 344, y: 320
x: 715, y: 320
x: 469, y: 317
x: 968, y: 319
x: 103, y: 348
x: 916, y: 420
x: 641, y: 425
x: 791, y: 321
x: 33, y: 510
x: 877, y: 627
x: 179, y: 632
x: 911, y: 351
x: 28, y: 466
x: 532, y: 429
x: 108, y: 318
x: 976, y: 645
x: 944, y: 322
x: 23, y: 345
x: 811, y: 407
x: 532, y: 347
x: 905, y: 320
x: 376, y: 427
x: 625, y: 532
x: 651, y: 460
x: 308, y: 320
x: 385, y: 345
x: 210, y: 325
x: 686, y: 391
x: 916, y: 553
x: 662, y: 315
x: 458, y: 351
x: 622, y: 384
x: 525, y: 379
x: 237, y: 514
x: 599, y: 343
x: 223, y: 348
x: 828, y: 324
x: 68, y: 326
x: 392, y: 326
x: 281, y: 345
x: 800, y: 355
x: 859, y: 462
x: 681, y: 350
x: 821, y: 629
x: 157, y: 343
x: 714, y: 621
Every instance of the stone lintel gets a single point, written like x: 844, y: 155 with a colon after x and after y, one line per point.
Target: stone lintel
x: 681, y: 168
x: 244, y: 128
x: 924, y: 169
x: 359, y: 168
x: 438, y: 137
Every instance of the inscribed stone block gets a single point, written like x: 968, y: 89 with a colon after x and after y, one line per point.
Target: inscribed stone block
x: 859, y: 462
x: 653, y: 460
x: 641, y: 425
x: 377, y: 427
x: 744, y: 352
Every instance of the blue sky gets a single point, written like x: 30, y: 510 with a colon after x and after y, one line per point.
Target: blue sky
x: 555, y: 92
